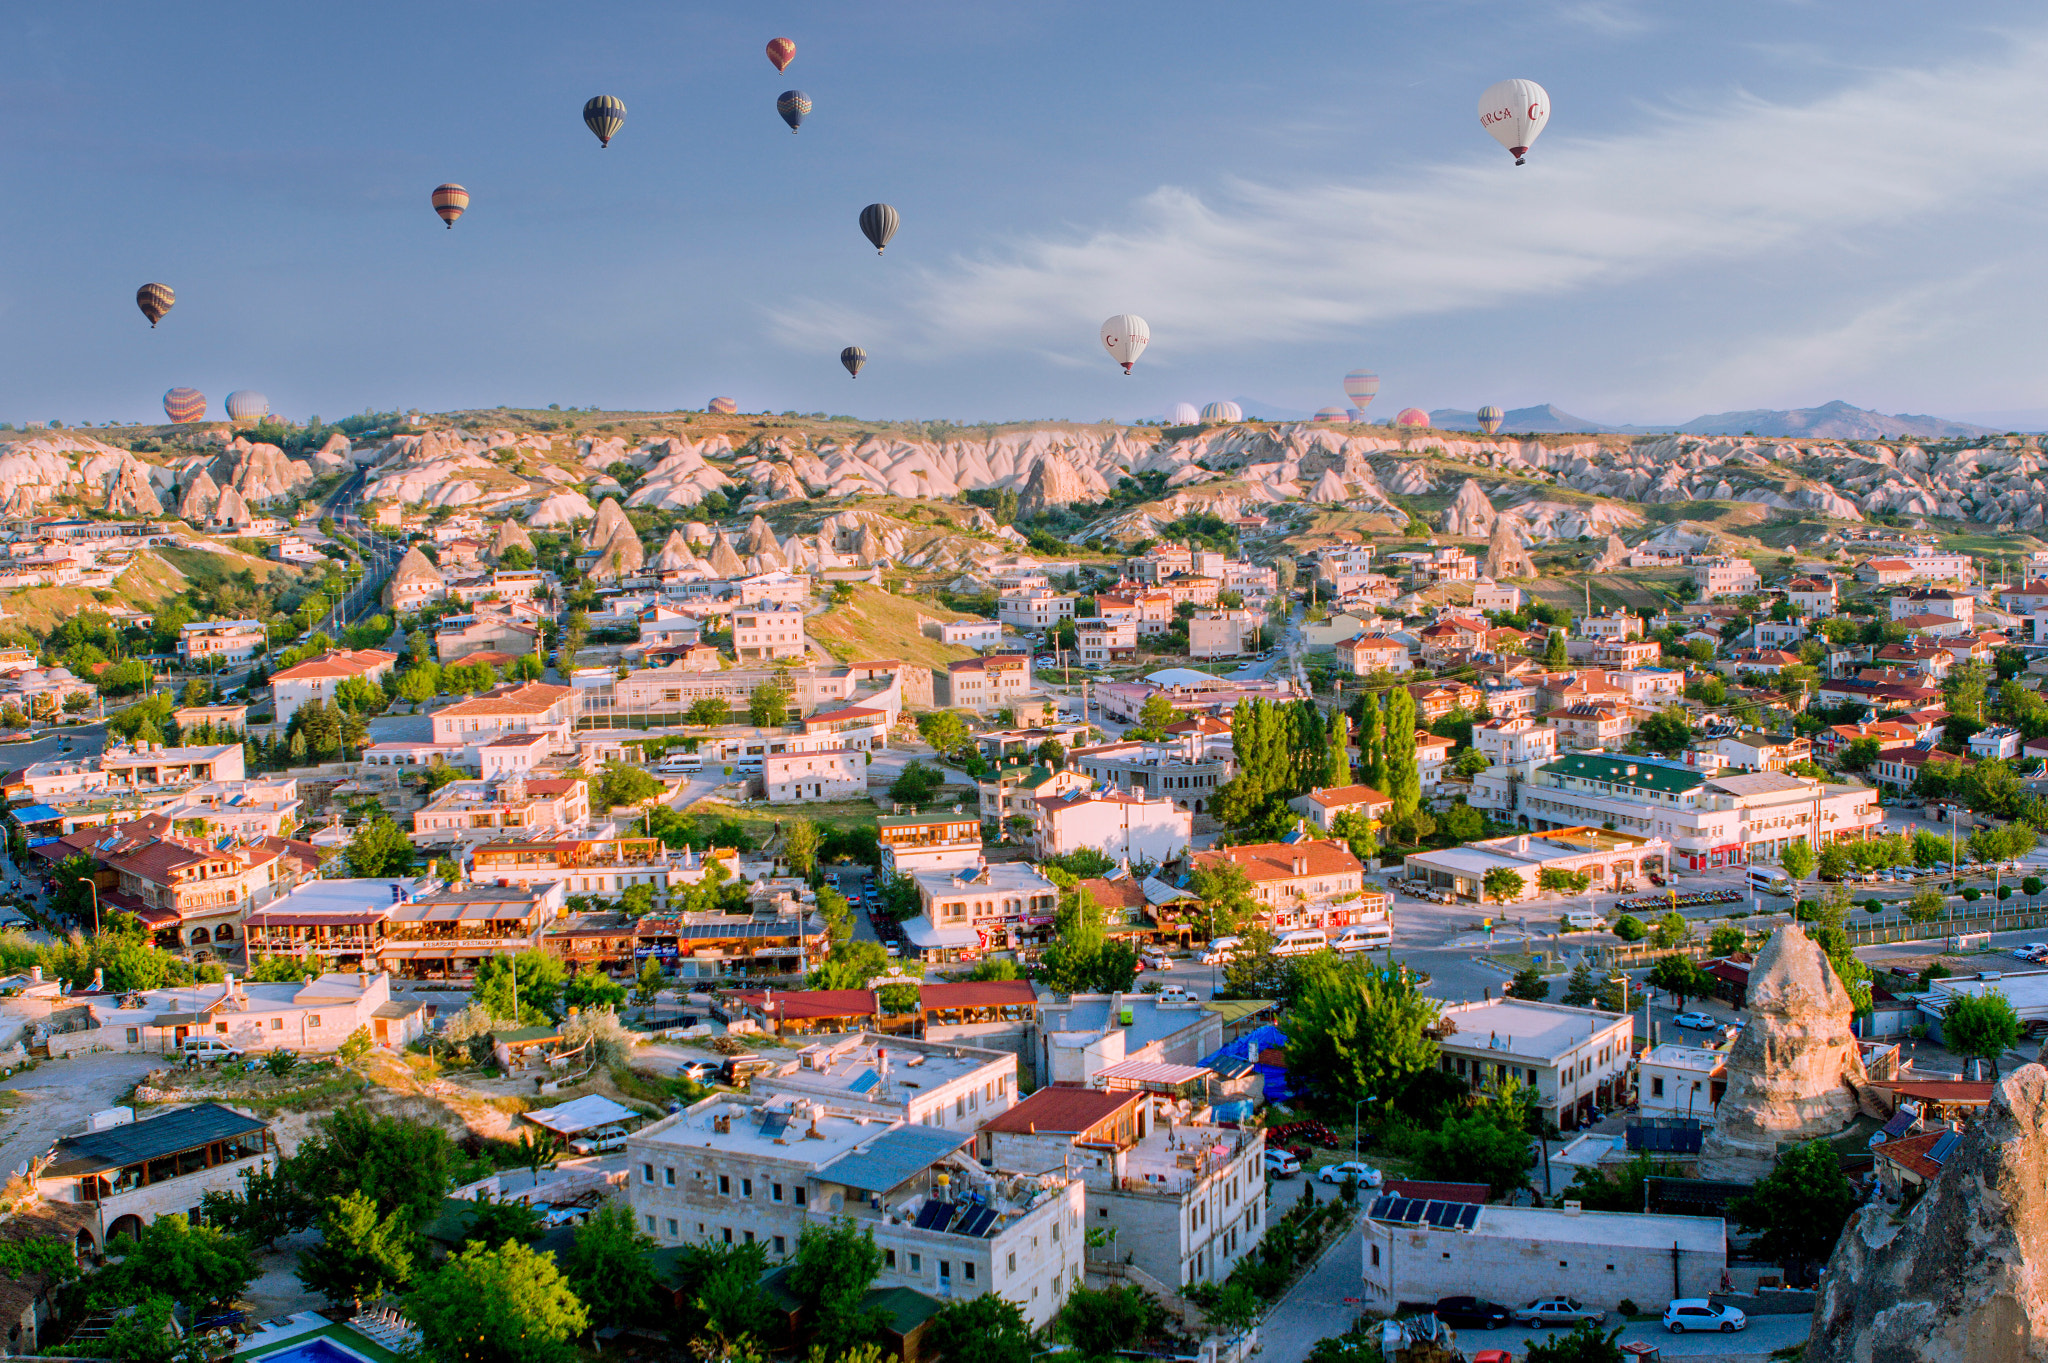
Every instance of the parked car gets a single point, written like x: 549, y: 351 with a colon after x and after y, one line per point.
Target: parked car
x: 207, y: 1050
x: 598, y: 1144
x: 1280, y: 1164
x: 2031, y: 951
x: 1221, y: 950
x: 698, y: 1071
x: 1697, y: 1313
x: 1699, y: 1022
x: 1463, y: 1313
x: 1557, y: 1311
x: 1155, y: 959
x: 1367, y: 1176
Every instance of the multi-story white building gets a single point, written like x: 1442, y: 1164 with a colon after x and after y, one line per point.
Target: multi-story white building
x: 512, y: 709
x: 1710, y: 819
x: 766, y: 634
x: 231, y: 641
x: 1950, y: 605
x: 1573, y: 1059
x: 992, y: 682
x: 1185, y: 1202
x: 985, y: 908
x: 1186, y: 768
x: 1613, y: 624
x: 1223, y: 633
x: 1719, y: 577
x: 128, y: 1173
x: 317, y: 677
x: 971, y: 633
x: 1368, y: 654
x: 911, y: 843
x: 1815, y: 597
x: 1100, y: 641
x: 898, y: 1079
x: 828, y: 774
x: 734, y: 1170
x: 1491, y: 596
x: 1035, y: 608
x: 1123, y: 826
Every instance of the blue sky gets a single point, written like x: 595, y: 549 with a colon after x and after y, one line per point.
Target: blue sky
x: 1735, y: 205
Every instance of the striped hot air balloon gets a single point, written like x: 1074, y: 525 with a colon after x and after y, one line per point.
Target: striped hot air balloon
x: 155, y: 300
x: 1223, y: 411
x: 853, y: 357
x: 449, y: 202
x: 1490, y: 418
x: 1361, y: 386
x: 1182, y: 414
x: 1332, y: 414
x: 782, y: 52
x: 185, y: 404
x: 795, y: 107
x: 1411, y: 416
x: 722, y: 406
x: 246, y: 404
x: 604, y: 115
x: 878, y: 224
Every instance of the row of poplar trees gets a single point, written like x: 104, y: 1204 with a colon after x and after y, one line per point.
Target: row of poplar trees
x: 1285, y: 749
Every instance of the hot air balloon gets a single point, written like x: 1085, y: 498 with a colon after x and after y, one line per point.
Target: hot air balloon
x: 793, y: 105
x: 1411, y: 416
x: 185, y: 404
x: 1126, y: 337
x: 604, y: 115
x: 1514, y: 111
x: 246, y: 404
x: 782, y: 52
x: 155, y: 300
x: 722, y: 406
x: 1223, y: 411
x: 853, y: 357
x: 878, y: 224
x: 1332, y: 414
x: 1361, y: 386
x: 449, y: 202
x: 1183, y: 414
x: 1490, y: 418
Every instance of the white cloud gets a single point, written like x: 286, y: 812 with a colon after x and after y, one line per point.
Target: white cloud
x: 1259, y: 263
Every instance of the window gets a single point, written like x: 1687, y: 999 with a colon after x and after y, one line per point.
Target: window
x: 746, y: 1187
x: 726, y: 1231
x: 133, y: 1036
x: 668, y: 1178
x: 649, y: 1219
x: 671, y: 1225
x: 775, y: 1192
x: 888, y: 1258
x: 750, y: 1236
x: 725, y: 1185
x: 647, y: 1173
x: 959, y: 1103
x: 1375, y: 1256
x: 276, y: 1025
x: 945, y: 1270
x: 1013, y: 1261
x: 917, y: 1263
x: 799, y: 1196
x: 314, y: 1022
x: 1657, y: 1087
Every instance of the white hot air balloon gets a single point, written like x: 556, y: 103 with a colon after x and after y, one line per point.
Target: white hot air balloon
x: 1514, y: 111
x: 1126, y: 337
x: 1182, y: 414
x: 1223, y: 411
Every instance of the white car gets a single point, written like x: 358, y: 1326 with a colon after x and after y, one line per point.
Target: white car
x: 1697, y: 1313
x: 1367, y: 1176
x: 1221, y: 950
x: 2032, y: 951
x: 1155, y: 959
x: 1280, y: 1164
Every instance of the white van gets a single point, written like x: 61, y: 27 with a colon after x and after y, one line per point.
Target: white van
x: 1583, y: 920
x: 1769, y: 879
x: 1301, y: 942
x: 681, y: 762
x: 1364, y: 937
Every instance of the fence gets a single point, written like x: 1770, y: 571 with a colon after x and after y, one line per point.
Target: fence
x: 2020, y: 913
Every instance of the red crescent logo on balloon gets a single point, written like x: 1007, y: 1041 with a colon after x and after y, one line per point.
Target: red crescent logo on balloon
x: 1535, y: 111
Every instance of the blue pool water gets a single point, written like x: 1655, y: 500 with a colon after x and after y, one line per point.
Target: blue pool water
x: 314, y: 1351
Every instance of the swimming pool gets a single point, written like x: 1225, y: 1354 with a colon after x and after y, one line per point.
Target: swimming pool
x: 314, y: 1351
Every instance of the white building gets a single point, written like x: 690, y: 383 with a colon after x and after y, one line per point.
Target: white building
x: 1719, y: 577
x: 1998, y: 741
x: 1488, y: 595
x: 766, y: 634
x: 129, y: 1173
x: 306, y: 1017
x: 898, y: 1079
x: 1099, y: 641
x: 1574, y: 1059
x: 1677, y: 1080
x: 831, y: 774
x: 1033, y: 608
x: 971, y: 633
x: 1123, y: 826
x: 232, y: 641
x: 736, y: 1170
x: 1516, y: 1254
x: 964, y: 907
x: 317, y: 677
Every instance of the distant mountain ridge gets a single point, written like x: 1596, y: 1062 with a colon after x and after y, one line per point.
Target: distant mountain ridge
x: 1835, y: 420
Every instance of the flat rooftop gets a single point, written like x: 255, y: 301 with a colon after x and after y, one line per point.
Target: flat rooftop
x: 776, y: 1129
x: 880, y: 1069
x: 1614, y: 1230
x: 1150, y: 1020
x: 1003, y: 877
x: 1521, y: 1027
x: 1683, y: 1057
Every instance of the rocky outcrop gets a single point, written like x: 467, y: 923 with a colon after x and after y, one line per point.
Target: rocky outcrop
x: 1614, y: 554
x: 1470, y: 514
x: 561, y: 508
x: 230, y: 509
x: 414, y: 570
x: 675, y: 555
x: 610, y: 519
x: 725, y: 561
x: 759, y: 536
x: 617, y: 543
x: 1506, y: 555
x: 131, y: 494
x: 262, y: 473
x: 1794, y: 1069
x: 1966, y: 1276
x: 510, y: 534
x: 1054, y: 481
x: 1329, y: 488
x: 199, y: 499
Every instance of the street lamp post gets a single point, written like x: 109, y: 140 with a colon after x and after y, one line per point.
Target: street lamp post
x: 1355, y: 1134
x: 89, y: 884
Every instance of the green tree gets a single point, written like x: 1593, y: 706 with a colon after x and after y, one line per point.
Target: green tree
x: 496, y: 1305
x: 1618, y: 1188
x: 983, y: 1329
x: 1798, y: 859
x: 401, y: 1164
x: 1099, y: 1322
x: 1580, y: 989
x: 1680, y: 978
x: 653, y: 979
x: 1981, y: 1025
x: 621, y: 783
x: 994, y: 968
x: 1926, y: 905
x: 359, y: 1254
x: 916, y: 784
x: 1673, y: 929
x: 1797, y: 1211
x: 836, y: 1263
x: 358, y: 697
x: 1404, y: 773
x: 1501, y: 884
x: 420, y: 683
x: 1337, y: 760
x: 1477, y: 1148
x: 800, y: 846
x: 1355, y: 830
x: 1585, y: 1342
x: 1361, y: 1031
x: 196, y: 1266
x: 709, y: 713
x: 76, y: 891
x: 1083, y: 958
x: 849, y: 965
x: 1528, y: 984
x: 1153, y: 717
x: 1727, y: 938
x: 723, y: 1314
x: 1860, y: 753
x: 767, y: 706
x: 380, y: 849
x: 355, y: 1045
x: 1226, y: 894
x: 588, y: 990
x: 944, y: 730
x: 1553, y: 650
x: 535, y: 978
x: 1665, y: 731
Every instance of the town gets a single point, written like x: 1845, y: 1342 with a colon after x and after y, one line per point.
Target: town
x: 675, y: 919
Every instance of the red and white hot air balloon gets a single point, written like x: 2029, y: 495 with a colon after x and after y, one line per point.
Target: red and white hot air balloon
x: 1125, y: 337
x: 1514, y: 112
x: 1411, y: 416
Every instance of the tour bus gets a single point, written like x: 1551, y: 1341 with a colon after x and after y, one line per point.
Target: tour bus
x: 1301, y: 942
x: 681, y: 761
x: 1770, y: 880
x: 1364, y: 937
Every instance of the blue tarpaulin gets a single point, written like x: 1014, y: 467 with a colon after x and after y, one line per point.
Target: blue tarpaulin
x: 1249, y: 1047
x: 36, y: 814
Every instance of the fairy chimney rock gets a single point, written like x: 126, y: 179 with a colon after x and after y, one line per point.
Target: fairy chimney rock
x: 1470, y: 513
x: 1505, y: 555
x: 725, y: 560
x: 1054, y: 481
x: 511, y: 533
x: 1966, y: 1275
x: 1794, y: 1069
x: 198, y: 502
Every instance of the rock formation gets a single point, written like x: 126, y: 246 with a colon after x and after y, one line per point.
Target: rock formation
x: 1470, y: 513
x: 131, y: 494
x: 559, y: 508
x: 1329, y: 488
x: 199, y: 499
x: 261, y: 473
x: 1966, y: 1276
x: 230, y: 509
x: 725, y: 561
x: 414, y: 570
x: 610, y: 519
x: 1054, y: 482
x: 510, y: 533
x: 675, y: 555
x: 1612, y: 556
x: 1506, y: 556
x: 696, y: 533
x: 1794, y: 1069
x: 759, y: 536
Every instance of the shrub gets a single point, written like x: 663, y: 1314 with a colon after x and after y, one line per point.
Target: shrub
x: 1873, y: 906
x: 2031, y: 885
x: 1627, y: 1306
x: 2004, y: 892
x: 1629, y: 928
x: 1973, y: 894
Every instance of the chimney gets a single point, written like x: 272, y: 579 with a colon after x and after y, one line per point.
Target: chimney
x: 35, y: 974
x: 99, y: 981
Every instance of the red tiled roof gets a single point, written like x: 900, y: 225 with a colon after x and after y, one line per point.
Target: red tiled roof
x: 342, y: 663
x: 1275, y: 860
x: 814, y: 1003
x: 1944, y: 1090
x: 1910, y: 1152
x: 1343, y: 797
x: 978, y: 994
x: 1124, y: 893
x: 1061, y: 1111
x: 523, y: 698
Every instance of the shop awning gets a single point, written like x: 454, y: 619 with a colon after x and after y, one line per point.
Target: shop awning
x: 924, y: 935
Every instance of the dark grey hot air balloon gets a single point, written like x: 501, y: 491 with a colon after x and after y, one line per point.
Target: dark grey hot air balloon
x: 878, y: 224
x: 853, y: 357
x: 155, y: 300
x: 604, y: 115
